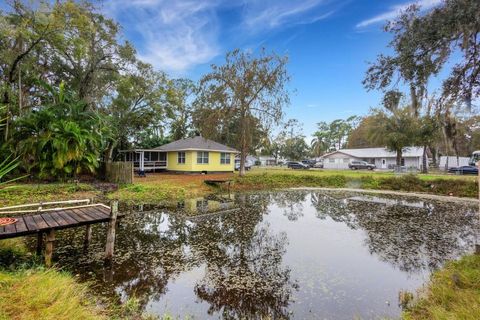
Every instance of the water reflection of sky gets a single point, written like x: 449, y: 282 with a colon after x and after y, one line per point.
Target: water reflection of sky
x: 289, y: 254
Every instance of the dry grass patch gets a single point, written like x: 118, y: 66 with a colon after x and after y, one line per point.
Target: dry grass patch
x: 44, y: 294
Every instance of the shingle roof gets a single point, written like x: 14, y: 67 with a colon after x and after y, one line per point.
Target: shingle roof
x: 195, y: 143
x: 380, y: 152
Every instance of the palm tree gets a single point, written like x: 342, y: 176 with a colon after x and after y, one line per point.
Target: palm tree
x: 9, y: 163
x: 395, y: 130
x: 318, y: 145
x: 322, y: 139
x: 62, y: 138
x: 428, y: 133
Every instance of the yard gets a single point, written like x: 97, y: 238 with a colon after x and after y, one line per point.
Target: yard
x: 165, y: 187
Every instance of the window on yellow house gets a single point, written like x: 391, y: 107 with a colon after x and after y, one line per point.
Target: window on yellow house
x: 224, y: 158
x: 181, y: 157
x: 202, y: 157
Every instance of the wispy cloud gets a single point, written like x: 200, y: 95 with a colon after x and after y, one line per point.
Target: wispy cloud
x: 171, y: 35
x: 394, y: 11
x: 261, y: 15
x: 176, y: 35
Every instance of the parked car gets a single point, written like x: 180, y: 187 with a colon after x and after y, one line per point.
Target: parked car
x: 297, y: 165
x: 318, y: 164
x: 464, y: 170
x: 309, y: 163
x: 355, y: 165
x: 248, y: 166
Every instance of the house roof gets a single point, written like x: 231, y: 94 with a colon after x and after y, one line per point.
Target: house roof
x: 379, y: 152
x: 195, y: 143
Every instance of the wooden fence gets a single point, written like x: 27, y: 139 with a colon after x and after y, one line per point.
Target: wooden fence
x: 119, y: 172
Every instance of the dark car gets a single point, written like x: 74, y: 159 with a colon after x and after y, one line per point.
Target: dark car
x: 464, y: 170
x: 297, y: 165
x: 309, y: 163
x: 355, y: 165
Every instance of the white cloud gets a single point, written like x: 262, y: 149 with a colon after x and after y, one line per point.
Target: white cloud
x: 174, y: 35
x: 394, y: 11
x: 262, y: 15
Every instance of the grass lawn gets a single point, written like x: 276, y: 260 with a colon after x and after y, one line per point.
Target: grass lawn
x: 169, y: 188
x: 19, y: 193
x: 438, y: 184
x: 452, y: 293
x: 356, y: 173
x: 165, y: 187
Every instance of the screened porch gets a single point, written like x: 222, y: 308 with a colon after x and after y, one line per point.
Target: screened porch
x: 145, y: 160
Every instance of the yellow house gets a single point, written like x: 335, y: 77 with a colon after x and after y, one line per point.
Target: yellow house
x: 195, y: 154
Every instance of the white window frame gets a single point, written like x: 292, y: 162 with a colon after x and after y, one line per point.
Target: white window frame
x: 203, y: 156
x: 225, y: 158
x: 180, y: 157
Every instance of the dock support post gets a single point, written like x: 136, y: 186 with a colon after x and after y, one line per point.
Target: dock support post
x: 88, y: 236
x: 39, y: 243
x: 111, y: 231
x: 49, y: 247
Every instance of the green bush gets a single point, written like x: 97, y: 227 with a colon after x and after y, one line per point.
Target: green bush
x: 406, y: 183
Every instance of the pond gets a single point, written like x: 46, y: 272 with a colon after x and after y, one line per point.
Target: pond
x: 299, y: 254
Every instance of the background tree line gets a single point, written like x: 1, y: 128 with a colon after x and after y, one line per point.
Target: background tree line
x: 441, y: 45
x: 73, y: 93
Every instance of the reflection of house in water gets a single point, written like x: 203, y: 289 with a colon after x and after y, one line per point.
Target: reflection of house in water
x: 389, y: 202
x: 207, y: 205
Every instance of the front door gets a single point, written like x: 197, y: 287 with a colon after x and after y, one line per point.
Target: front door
x: 384, y: 163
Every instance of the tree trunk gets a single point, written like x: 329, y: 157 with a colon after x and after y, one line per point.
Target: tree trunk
x: 399, y: 157
x: 414, y: 97
x: 243, y: 139
x: 109, y: 152
x: 447, y: 146
x: 434, y: 155
x: 424, y: 160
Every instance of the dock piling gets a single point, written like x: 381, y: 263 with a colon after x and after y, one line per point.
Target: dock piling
x: 88, y: 236
x: 111, y: 231
x: 50, y: 239
x: 39, y: 243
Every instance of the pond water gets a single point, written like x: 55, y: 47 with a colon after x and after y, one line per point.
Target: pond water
x: 288, y: 254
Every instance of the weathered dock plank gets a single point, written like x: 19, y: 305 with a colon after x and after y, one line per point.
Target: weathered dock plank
x: 53, y: 220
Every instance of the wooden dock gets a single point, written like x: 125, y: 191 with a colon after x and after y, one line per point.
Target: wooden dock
x: 55, y: 219
x: 45, y: 221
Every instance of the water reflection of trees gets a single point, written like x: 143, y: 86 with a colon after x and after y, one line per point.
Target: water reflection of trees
x: 244, y: 275
x: 290, y: 202
x: 410, y: 235
x: 147, y: 255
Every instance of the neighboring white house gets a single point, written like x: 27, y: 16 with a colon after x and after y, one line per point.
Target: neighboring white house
x: 382, y: 158
x: 267, y: 161
x: 453, y: 162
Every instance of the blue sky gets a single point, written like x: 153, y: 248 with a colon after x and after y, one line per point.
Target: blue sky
x: 329, y: 43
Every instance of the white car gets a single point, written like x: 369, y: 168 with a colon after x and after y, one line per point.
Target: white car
x: 248, y: 166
